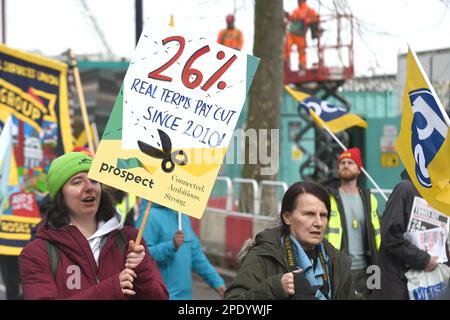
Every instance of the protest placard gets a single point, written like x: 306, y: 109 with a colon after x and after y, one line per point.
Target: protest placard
x: 424, y: 217
x: 431, y: 241
x: 428, y: 229
x: 174, y: 117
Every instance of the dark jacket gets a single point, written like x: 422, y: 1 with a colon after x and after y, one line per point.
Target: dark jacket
x: 96, y: 283
x: 369, y: 245
x: 398, y: 255
x: 260, y: 272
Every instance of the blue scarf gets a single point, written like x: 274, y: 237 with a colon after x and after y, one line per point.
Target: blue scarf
x: 314, y: 275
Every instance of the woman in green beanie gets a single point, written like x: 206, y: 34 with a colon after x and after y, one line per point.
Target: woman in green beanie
x: 80, y: 251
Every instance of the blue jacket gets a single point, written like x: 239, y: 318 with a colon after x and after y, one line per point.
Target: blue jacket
x: 176, y: 266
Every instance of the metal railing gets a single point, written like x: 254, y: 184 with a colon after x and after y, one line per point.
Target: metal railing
x: 257, y: 189
x: 229, y: 192
x: 233, y: 187
x: 386, y: 191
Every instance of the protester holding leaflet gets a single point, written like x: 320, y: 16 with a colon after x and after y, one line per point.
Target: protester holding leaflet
x: 397, y: 255
x: 423, y: 148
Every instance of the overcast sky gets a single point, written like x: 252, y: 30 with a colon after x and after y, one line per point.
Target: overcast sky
x: 383, y: 27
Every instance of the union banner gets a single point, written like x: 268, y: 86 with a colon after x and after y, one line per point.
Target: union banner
x: 33, y: 90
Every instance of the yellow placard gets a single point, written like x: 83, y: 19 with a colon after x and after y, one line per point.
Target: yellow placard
x: 186, y: 189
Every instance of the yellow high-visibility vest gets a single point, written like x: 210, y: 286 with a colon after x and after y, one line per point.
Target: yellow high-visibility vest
x: 334, y: 232
x: 127, y: 203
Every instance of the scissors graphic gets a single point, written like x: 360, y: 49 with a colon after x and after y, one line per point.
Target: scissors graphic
x: 169, y: 157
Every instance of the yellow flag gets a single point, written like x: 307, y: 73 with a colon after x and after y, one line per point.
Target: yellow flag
x: 423, y: 144
x: 336, y: 118
x: 13, y: 174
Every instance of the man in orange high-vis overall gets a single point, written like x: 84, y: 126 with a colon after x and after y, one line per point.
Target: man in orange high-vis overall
x: 231, y: 36
x: 301, y: 18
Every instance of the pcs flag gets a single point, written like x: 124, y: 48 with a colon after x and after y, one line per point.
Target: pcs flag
x: 336, y: 118
x: 423, y: 144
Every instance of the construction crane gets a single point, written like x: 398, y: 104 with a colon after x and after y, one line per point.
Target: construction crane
x: 86, y: 12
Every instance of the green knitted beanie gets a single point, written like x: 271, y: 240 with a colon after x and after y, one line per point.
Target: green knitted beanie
x: 64, y: 167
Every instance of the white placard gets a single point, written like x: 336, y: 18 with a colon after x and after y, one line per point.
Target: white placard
x: 167, y: 87
x: 424, y: 217
x: 428, y: 229
x: 432, y: 241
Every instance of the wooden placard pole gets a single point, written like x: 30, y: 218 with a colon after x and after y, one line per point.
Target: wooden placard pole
x: 83, y: 108
x: 144, y: 223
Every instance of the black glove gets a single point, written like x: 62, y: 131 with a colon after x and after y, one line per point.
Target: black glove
x: 303, y: 290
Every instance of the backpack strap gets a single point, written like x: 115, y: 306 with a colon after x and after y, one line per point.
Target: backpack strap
x: 120, y: 240
x: 53, y: 256
x: 53, y: 251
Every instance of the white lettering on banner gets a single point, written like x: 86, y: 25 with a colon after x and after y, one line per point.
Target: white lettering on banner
x: 432, y: 119
x: 22, y: 202
x: 419, y: 156
x: 315, y: 106
x: 326, y: 107
x: 433, y: 122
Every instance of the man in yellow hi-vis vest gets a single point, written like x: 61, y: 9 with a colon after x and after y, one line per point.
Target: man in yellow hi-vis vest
x: 353, y: 226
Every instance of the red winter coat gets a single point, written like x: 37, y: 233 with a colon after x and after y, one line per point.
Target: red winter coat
x: 74, y: 250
